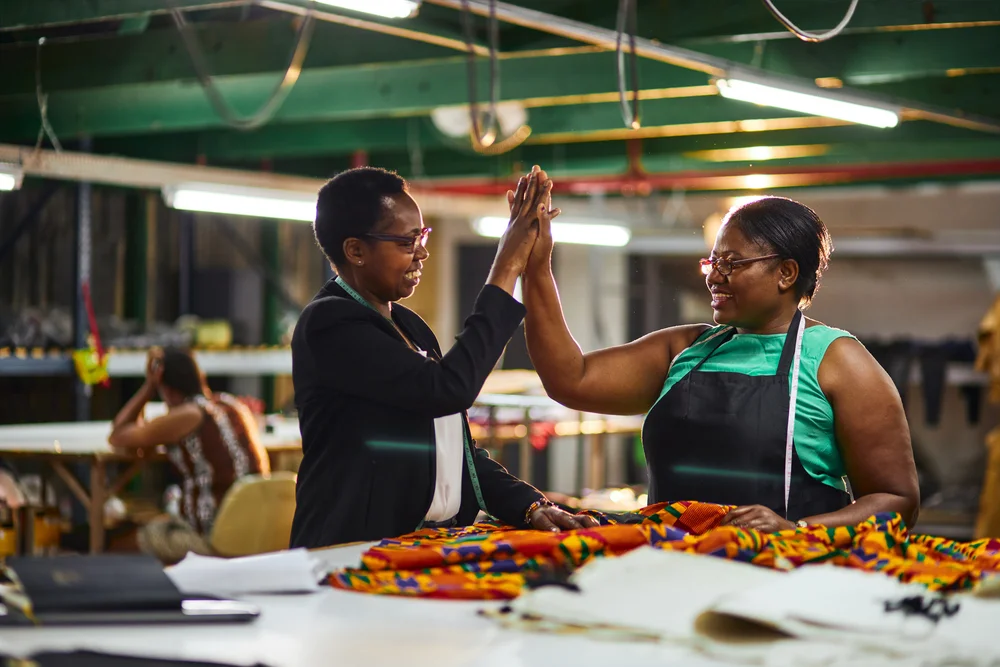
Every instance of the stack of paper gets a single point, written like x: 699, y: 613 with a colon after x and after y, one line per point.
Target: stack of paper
x: 295, y: 571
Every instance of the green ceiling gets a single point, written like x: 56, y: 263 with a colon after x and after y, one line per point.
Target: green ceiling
x: 117, y: 71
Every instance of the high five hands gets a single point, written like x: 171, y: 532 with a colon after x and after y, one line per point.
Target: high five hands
x: 526, y: 244
x: 541, y: 252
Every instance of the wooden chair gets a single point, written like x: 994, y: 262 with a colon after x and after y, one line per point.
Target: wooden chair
x: 255, y: 516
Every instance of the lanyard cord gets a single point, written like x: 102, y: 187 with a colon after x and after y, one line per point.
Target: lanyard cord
x: 469, y: 459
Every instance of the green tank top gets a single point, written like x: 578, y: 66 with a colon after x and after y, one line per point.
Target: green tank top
x: 755, y: 354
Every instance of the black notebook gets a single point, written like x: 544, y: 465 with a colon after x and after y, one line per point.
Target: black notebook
x: 112, y: 588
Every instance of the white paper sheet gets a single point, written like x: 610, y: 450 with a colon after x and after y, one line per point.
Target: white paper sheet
x: 294, y: 571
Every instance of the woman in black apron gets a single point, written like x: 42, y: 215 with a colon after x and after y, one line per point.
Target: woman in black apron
x: 729, y: 437
x: 744, y: 425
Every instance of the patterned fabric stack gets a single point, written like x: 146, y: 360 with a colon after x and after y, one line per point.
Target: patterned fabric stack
x: 491, y: 561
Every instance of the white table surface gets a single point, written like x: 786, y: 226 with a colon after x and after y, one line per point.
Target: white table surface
x: 335, y: 627
x: 89, y: 438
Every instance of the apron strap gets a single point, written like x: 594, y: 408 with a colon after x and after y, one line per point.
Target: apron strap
x: 793, y: 351
x: 791, y: 345
x: 722, y: 337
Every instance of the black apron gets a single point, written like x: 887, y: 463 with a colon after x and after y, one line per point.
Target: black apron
x: 726, y: 438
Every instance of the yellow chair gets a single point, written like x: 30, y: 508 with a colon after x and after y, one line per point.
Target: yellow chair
x: 255, y: 516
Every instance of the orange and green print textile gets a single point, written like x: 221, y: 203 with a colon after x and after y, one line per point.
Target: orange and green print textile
x: 492, y: 561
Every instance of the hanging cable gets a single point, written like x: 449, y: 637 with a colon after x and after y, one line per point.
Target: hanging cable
x: 483, y: 132
x: 413, y: 148
x: 627, y: 13
x: 43, y: 105
x: 812, y: 36
x: 483, y: 136
x: 270, y: 107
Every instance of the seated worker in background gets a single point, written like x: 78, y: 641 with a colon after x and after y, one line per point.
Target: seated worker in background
x: 385, y: 436
x: 769, y: 410
x: 212, y: 440
x: 11, y: 493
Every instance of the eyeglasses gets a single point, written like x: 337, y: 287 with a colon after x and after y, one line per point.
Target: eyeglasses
x: 409, y: 242
x: 726, y: 266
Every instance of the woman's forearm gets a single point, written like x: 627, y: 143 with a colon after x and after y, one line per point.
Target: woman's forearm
x: 865, y: 506
x: 556, y: 356
x: 130, y: 413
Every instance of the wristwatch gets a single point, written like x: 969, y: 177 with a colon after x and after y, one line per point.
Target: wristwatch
x: 801, y: 523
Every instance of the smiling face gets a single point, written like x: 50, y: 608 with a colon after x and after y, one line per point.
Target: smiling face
x: 755, y: 294
x: 391, y: 268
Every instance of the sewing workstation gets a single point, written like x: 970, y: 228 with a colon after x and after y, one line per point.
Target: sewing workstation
x: 469, y: 332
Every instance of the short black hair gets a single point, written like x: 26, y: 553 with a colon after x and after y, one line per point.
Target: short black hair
x: 181, y: 372
x: 350, y: 205
x: 792, y: 231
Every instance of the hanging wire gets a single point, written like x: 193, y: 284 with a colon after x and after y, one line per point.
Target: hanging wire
x: 484, y: 131
x: 43, y: 104
x: 270, y: 107
x: 627, y: 13
x: 483, y: 136
x: 812, y: 36
x: 414, y: 149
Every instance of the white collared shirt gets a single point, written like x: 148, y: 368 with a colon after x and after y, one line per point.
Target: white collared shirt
x: 449, y: 437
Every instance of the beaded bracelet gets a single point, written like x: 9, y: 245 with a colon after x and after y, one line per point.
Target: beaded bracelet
x: 541, y: 502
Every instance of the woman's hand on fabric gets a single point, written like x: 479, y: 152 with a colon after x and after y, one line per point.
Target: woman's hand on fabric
x: 757, y: 517
x: 522, y: 229
x: 553, y: 519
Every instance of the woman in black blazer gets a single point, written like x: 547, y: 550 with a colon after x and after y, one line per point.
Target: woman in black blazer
x: 385, y: 436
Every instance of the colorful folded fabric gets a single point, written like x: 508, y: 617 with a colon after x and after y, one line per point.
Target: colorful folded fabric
x: 492, y: 561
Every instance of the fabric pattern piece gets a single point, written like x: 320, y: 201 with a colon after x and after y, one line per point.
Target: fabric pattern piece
x: 491, y: 561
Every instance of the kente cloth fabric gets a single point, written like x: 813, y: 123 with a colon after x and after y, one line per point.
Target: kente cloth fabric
x: 491, y: 561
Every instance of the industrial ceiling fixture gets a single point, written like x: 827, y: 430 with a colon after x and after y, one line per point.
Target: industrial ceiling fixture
x: 11, y: 176
x: 581, y: 232
x: 234, y: 200
x: 390, y: 9
x: 810, y: 100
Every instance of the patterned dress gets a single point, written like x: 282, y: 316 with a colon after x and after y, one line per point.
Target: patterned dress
x: 224, y: 448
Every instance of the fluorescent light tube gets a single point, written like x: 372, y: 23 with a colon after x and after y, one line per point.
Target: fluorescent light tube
x: 390, y: 9
x: 817, y: 104
x: 10, y: 177
x: 232, y: 200
x: 584, y: 233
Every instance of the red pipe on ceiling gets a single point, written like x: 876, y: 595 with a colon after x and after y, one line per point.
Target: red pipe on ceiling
x: 732, y: 179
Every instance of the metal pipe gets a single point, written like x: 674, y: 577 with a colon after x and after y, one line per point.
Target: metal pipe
x: 388, y: 28
x: 711, y: 65
x: 589, y: 34
x: 750, y: 180
x: 151, y: 175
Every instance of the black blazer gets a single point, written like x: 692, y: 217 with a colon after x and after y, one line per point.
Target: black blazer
x: 367, y: 405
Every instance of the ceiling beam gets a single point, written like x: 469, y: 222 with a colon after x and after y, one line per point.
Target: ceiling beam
x: 230, y: 48
x: 323, y: 94
x: 671, y: 117
x: 261, y: 46
x: 698, y: 22
x: 687, y: 58
x: 862, y: 59
x: 22, y: 14
x: 412, y: 29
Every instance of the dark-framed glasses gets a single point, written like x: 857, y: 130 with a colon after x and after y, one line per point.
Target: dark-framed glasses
x: 409, y: 242
x: 725, y: 266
